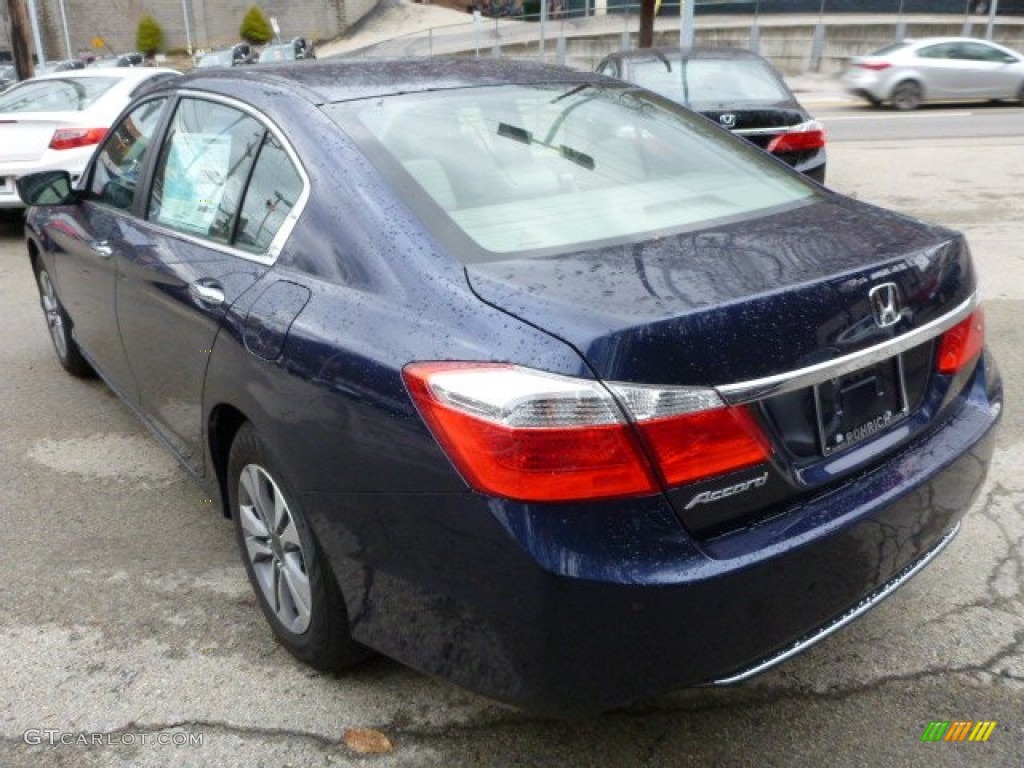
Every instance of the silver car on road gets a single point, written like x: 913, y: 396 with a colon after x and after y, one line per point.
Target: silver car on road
x: 910, y: 72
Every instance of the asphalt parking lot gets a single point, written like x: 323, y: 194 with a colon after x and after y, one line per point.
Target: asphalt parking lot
x: 127, y: 619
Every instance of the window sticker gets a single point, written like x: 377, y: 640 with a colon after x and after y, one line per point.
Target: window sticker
x: 197, y: 169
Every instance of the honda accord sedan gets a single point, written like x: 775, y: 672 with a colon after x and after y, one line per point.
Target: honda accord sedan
x: 737, y: 89
x: 524, y: 377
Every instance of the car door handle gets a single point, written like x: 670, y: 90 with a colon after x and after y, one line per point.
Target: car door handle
x: 102, y: 248
x: 208, y: 293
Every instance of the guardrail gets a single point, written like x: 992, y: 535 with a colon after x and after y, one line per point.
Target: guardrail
x: 580, y: 37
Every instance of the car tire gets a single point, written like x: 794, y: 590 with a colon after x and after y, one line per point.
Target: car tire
x: 287, y: 570
x: 59, y: 324
x: 1020, y: 95
x: 907, y: 95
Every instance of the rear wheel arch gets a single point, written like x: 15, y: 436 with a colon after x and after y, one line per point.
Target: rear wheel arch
x: 222, y: 426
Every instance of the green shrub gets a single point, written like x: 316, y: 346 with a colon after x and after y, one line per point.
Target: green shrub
x: 150, y: 36
x: 256, y: 27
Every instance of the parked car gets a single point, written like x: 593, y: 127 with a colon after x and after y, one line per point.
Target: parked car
x: 911, y: 72
x: 237, y: 55
x: 303, y: 48
x: 522, y: 376
x: 735, y: 88
x: 134, y: 59
x: 55, y: 121
x: 293, y: 50
x: 8, y: 76
x: 65, y: 65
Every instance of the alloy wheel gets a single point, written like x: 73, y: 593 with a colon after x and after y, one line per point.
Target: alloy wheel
x: 907, y: 95
x: 274, y: 548
x: 54, y: 319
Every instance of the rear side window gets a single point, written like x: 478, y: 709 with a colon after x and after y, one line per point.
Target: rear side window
x: 204, y: 163
x: 118, y: 168
x: 273, y: 192
x: 56, y: 95
x: 940, y: 51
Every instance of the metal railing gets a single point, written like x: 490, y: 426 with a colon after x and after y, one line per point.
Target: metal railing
x: 582, y: 34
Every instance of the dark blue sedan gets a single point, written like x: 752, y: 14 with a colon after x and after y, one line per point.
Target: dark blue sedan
x: 524, y: 377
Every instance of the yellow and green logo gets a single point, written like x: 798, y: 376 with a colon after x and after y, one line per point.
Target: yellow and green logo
x: 958, y: 730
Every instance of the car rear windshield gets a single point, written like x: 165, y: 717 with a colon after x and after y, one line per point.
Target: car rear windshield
x: 537, y: 169
x: 891, y: 48
x: 700, y: 82
x: 216, y: 59
x: 56, y: 95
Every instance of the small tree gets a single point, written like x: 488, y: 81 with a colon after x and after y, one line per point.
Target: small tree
x: 256, y: 27
x: 150, y: 36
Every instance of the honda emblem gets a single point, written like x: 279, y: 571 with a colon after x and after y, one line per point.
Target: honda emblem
x: 885, y: 304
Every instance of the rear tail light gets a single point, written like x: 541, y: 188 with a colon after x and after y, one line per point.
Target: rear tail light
x: 961, y: 344
x: 534, y: 436
x: 799, y: 138
x: 874, y: 66
x: 71, y: 138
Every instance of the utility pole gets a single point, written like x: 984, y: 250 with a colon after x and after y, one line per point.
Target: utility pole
x: 645, y: 39
x: 19, y: 39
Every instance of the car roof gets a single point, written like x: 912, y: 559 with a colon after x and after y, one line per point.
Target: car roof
x: 918, y: 41
x: 122, y: 73
x: 341, y: 79
x: 699, y: 52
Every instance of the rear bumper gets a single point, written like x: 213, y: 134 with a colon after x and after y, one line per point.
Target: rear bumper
x: 566, y: 609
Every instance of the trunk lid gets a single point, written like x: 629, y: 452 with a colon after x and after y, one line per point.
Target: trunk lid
x: 744, y: 302
x: 26, y: 136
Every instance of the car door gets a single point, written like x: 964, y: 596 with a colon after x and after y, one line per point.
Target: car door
x: 93, y: 233
x: 989, y: 72
x: 940, y: 70
x: 204, y: 247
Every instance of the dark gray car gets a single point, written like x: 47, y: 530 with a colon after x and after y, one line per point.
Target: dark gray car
x: 737, y: 89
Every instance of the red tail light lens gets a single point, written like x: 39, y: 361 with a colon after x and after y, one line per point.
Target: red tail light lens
x: 803, y: 137
x: 533, y: 436
x: 70, y: 138
x: 700, y: 445
x: 874, y: 66
x: 961, y: 344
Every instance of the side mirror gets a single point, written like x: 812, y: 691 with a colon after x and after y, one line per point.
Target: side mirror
x: 46, y: 188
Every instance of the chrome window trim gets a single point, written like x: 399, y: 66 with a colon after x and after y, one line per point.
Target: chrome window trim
x: 763, y: 131
x: 757, y: 389
x: 269, y: 257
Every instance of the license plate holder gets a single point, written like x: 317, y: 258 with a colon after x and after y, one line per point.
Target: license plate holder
x: 858, y: 405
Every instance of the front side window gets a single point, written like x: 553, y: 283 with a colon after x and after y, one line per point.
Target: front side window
x: 117, y: 170
x: 982, y: 52
x: 204, y: 163
x: 522, y: 169
x: 56, y: 94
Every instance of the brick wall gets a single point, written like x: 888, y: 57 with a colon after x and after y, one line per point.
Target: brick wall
x: 212, y: 23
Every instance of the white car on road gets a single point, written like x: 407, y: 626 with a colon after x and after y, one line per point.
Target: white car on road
x: 54, y: 122
x: 910, y: 72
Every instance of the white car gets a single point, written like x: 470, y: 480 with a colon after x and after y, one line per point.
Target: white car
x: 54, y: 122
x: 910, y: 72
